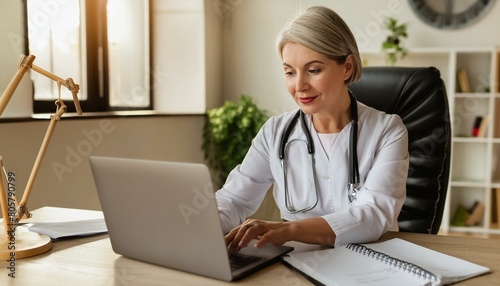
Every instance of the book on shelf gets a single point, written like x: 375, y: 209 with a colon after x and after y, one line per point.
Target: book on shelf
x: 463, y: 81
x: 460, y: 216
x: 496, y: 206
x: 475, y: 214
x: 480, y: 127
x: 493, y: 209
x: 392, y: 262
x: 468, y: 216
x: 497, y: 193
x: 496, y: 121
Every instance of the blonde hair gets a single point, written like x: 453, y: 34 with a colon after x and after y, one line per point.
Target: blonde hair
x: 322, y: 30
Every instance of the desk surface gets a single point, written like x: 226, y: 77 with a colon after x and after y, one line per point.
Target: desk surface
x: 91, y: 261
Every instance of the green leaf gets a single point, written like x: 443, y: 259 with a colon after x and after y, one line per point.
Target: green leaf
x: 228, y: 133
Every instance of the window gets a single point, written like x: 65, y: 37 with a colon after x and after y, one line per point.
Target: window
x: 102, y: 45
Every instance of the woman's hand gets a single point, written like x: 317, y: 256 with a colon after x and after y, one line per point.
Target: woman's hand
x: 265, y: 232
x: 311, y: 230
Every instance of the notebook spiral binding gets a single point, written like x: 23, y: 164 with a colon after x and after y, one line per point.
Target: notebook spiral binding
x: 392, y: 261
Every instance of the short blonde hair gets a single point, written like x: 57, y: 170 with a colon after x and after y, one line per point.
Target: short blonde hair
x: 322, y: 30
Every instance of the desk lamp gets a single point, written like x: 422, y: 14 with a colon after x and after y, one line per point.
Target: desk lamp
x: 27, y: 244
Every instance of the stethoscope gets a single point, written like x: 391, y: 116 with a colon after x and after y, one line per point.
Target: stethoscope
x: 353, y: 185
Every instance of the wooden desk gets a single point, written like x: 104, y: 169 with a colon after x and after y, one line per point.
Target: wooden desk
x: 91, y: 261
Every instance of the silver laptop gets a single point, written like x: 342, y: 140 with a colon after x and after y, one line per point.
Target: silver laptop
x: 165, y: 213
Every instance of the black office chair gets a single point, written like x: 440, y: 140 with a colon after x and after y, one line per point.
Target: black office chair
x: 418, y: 96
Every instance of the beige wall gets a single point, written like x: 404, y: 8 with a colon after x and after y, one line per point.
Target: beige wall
x: 65, y: 177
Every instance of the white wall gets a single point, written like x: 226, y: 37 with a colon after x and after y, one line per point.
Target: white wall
x: 252, y: 66
x: 187, y: 39
x: 179, y: 22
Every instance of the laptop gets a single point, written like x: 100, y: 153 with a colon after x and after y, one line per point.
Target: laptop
x: 165, y: 213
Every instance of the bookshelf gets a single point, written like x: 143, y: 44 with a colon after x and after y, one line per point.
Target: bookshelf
x: 472, y: 77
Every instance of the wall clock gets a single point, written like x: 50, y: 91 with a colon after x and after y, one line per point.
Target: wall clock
x: 450, y: 14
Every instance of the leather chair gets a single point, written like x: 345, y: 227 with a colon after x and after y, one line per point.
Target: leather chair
x: 418, y: 96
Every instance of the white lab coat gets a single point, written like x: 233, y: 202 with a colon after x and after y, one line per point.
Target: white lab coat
x: 383, y: 167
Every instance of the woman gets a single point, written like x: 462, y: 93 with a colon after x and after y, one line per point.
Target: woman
x: 320, y: 58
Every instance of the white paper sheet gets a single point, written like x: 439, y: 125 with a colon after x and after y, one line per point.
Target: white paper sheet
x: 59, y: 230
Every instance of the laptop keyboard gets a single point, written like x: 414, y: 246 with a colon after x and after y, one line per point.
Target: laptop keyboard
x: 238, y: 260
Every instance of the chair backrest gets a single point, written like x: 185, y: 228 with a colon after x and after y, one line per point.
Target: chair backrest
x: 418, y: 96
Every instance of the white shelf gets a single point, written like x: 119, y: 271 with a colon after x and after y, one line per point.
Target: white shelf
x: 468, y: 183
x: 471, y: 140
x: 474, y: 172
x: 472, y: 95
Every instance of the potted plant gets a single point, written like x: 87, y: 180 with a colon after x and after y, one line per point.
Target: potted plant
x: 393, y: 45
x: 228, y: 133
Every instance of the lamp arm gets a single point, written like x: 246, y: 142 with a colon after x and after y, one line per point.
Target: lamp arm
x: 24, y: 65
x: 27, y: 63
x: 21, y: 208
x: 68, y: 83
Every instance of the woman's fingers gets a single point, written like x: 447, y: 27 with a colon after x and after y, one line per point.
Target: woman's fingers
x: 265, y: 232
x: 240, y: 236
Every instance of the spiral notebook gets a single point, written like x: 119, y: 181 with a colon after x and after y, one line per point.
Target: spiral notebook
x: 392, y: 262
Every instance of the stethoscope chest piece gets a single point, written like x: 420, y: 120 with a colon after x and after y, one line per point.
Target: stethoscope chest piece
x: 352, y: 192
